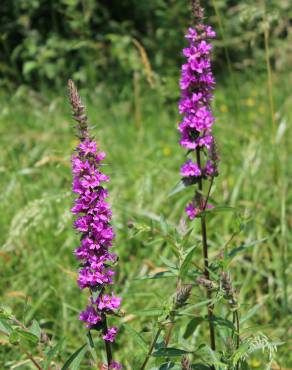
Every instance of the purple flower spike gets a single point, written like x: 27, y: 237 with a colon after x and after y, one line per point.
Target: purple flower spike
x: 93, y: 223
x: 197, y: 83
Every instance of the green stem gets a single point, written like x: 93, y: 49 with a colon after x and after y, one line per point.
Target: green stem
x: 237, y: 329
x: 236, y: 319
x: 155, y: 339
x: 108, y: 349
x: 208, y: 194
x: 32, y: 359
x: 269, y: 77
x: 206, y: 260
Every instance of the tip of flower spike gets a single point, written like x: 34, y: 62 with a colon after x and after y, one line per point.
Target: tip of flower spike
x: 197, y: 11
x: 78, y: 109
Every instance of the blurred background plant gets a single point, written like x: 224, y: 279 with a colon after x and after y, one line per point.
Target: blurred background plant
x: 45, y: 43
x: 125, y: 57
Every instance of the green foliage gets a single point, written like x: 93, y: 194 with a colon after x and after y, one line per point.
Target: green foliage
x: 39, y: 269
x: 75, y: 359
x: 29, y: 340
x: 43, y: 44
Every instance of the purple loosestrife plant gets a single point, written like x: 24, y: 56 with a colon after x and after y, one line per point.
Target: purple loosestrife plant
x: 197, y: 84
x: 93, y: 222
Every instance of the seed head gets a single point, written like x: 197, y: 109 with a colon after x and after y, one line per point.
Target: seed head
x: 185, y: 363
x: 230, y: 293
x: 182, y: 295
x: 206, y: 283
x: 214, y: 157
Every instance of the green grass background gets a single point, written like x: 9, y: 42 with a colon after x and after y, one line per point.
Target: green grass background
x: 38, y: 269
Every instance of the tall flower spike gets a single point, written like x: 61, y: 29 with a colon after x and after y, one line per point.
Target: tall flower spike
x: 197, y: 83
x: 93, y: 223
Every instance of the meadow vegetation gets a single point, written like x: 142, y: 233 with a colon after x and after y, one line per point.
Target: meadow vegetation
x: 135, y: 122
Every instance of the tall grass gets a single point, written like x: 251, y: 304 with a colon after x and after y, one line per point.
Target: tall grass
x: 37, y: 264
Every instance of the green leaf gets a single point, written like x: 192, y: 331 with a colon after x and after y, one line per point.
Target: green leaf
x: 194, y: 306
x: 169, y: 352
x: 192, y: 325
x: 168, y: 263
x: 35, y: 329
x: 186, y: 236
x: 218, y: 209
x: 187, y: 261
x: 242, y: 247
x: 242, y: 350
x: 163, y: 225
x: 91, y: 346
x: 200, y: 367
x: 5, y: 327
x: 244, y: 365
x: 75, y: 359
x: 158, y: 275
x: 150, y: 312
x: 220, y: 321
x: 177, y: 189
x: 137, y: 337
x: 28, y: 67
x: 27, y: 338
x: 90, y: 340
x: 250, y: 313
x: 95, y: 294
x: 52, y: 353
x: 169, y: 366
x: 5, y: 313
x: 14, y: 337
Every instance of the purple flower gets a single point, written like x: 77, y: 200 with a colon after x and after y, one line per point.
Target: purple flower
x: 87, y: 147
x: 192, y: 211
x: 107, y: 302
x: 93, y: 222
x: 82, y: 223
x: 197, y: 83
x: 90, y: 316
x: 190, y: 169
x: 191, y: 35
x: 110, y: 335
x: 78, y: 165
x: 115, y: 366
x: 209, y: 169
